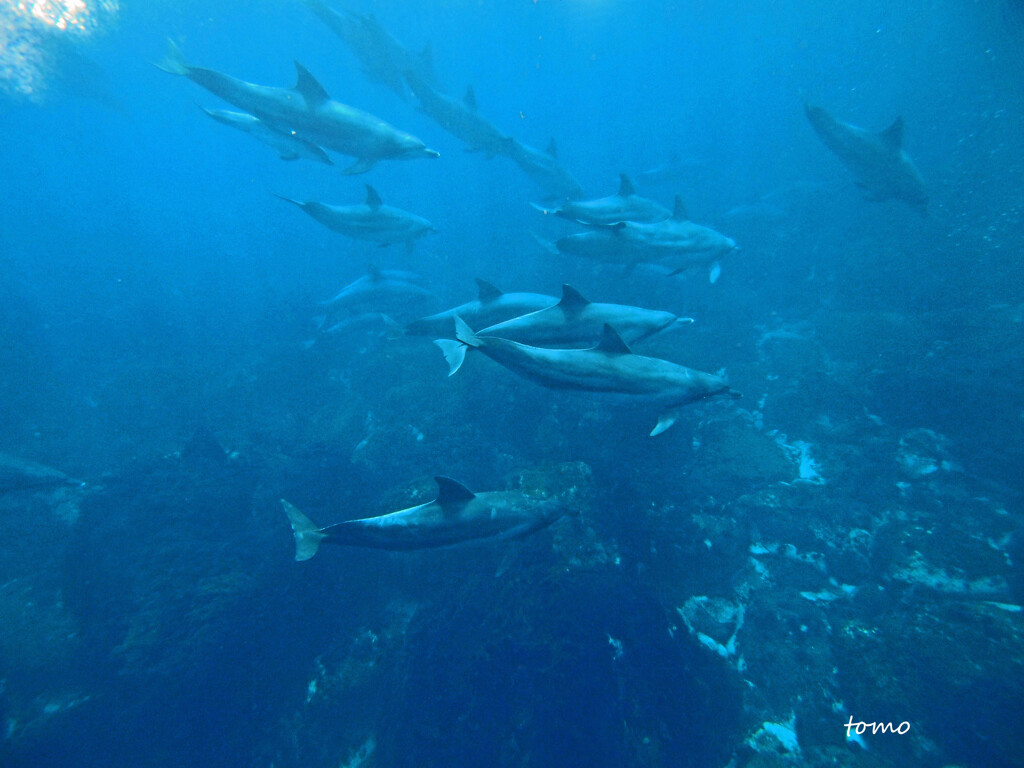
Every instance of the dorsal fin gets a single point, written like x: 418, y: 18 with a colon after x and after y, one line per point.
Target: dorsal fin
x: 892, y: 136
x: 372, y: 198
x: 487, y: 292
x: 626, y: 187
x: 307, y: 85
x: 679, y: 210
x: 470, y: 98
x: 452, y: 492
x: 612, y: 343
x: 572, y: 300
x: 552, y: 148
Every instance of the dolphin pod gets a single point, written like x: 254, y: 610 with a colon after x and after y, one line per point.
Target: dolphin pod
x: 575, y: 320
x: 610, y: 366
x: 457, y: 515
x: 624, y: 205
x: 307, y: 112
x: 676, y: 242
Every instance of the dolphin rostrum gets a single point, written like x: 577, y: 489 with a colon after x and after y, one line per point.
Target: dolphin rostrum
x: 491, y: 306
x: 288, y: 146
x: 456, y: 515
x: 625, y: 205
x: 307, y: 112
x: 370, y: 221
x: 882, y: 168
x: 610, y: 367
x: 575, y: 320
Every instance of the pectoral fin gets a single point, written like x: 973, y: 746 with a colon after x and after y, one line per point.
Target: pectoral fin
x: 362, y: 165
x: 665, y: 421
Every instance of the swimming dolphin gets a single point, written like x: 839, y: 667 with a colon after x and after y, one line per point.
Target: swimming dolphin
x: 675, y: 171
x: 677, y: 241
x: 491, y: 306
x: 879, y: 163
x: 575, y: 320
x: 609, y: 367
x: 382, y: 58
x: 370, y: 221
x: 543, y: 167
x: 389, y: 291
x: 18, y: 474
x: 457, y: 515
x: 288, y: 146
x: 458, y: 116
x: 307, y: 112
x: 625, y: 205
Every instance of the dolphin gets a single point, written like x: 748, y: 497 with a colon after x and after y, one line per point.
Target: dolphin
x: 575, y: 320
x: 673, y: 172
x: 625, y: 205
x: 307, y: 112
x: 18, y: 474
x: 611, y: 367
x: 382, y: 58
x: 543, y: 167
x: 491, y: 306
x: 288, y: 146
x: 457, y: 515
x: 370, y: 221
x: 879, y: 163
x: 394, y: 292
x: 459, y: 117
x: 677, y: 241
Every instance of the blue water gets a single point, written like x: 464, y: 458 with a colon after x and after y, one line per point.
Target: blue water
x: 153, y: 286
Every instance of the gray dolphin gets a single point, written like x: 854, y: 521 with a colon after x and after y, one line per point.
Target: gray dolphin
x: 18, y: 474
x: 370, y: 221
x: 625, y: 205
x: 879, y: 163
x: 288, y: 145
x: 491, y: 306
x: 458, y: 116
x: 306, y: 111
x: 382, y: 58
x: 544, y: 168
x: 575, y: 320
x: 611, y: 367
x: 457, y: 515
x: 390, y: 291
x: 677, y: 242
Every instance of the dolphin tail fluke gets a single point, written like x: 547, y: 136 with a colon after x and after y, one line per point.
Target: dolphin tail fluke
x: 454, y: 352
x: 307, y: 535
x: 173, y: 60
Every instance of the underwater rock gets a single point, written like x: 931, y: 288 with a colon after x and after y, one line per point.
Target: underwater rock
x: 544, y: 667
x: 954, y: 670
x: 171, y: 580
